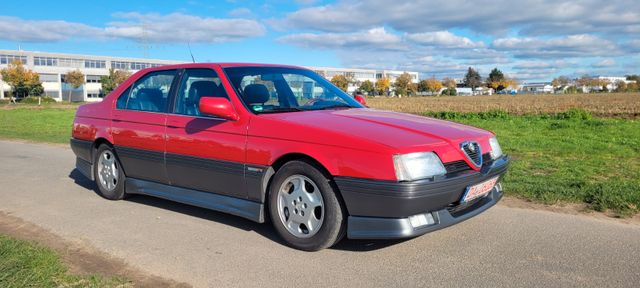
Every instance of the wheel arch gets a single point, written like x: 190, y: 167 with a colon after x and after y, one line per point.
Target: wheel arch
x: 280, y: 161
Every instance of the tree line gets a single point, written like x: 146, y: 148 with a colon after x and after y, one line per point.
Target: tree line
x: 25, y: 82
x: 568, y: 85
x: 403, y: 85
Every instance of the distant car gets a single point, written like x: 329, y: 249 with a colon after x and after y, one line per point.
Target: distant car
x: 282, y: 143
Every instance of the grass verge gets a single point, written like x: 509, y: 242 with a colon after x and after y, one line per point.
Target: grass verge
x: 41, y: 125
x: 28, y: 264
x: 567, y: 156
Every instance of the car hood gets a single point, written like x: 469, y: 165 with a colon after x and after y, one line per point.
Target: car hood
x: 397, y: 130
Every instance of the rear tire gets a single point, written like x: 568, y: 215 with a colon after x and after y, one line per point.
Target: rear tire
x: 305, y: 208
x: 108, y: 173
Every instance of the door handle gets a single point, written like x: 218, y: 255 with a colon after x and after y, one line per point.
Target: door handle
x: 171, y: 126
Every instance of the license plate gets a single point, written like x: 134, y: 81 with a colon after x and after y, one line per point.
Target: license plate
x: 479, y: 190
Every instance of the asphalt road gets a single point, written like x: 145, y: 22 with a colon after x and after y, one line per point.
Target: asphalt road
x: 504, y: 247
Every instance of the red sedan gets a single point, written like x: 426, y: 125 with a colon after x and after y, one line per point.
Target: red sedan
x: 282, y: 143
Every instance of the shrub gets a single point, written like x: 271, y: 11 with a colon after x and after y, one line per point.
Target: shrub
x: 574, y: 114
x: 34, y: 100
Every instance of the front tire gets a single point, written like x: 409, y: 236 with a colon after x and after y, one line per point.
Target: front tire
x: 304, y: 207
x: 108, y: 173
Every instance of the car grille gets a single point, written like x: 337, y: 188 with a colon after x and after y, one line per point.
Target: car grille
x: 472, y: 149
x: 457, y: 209
x: 461, y: 165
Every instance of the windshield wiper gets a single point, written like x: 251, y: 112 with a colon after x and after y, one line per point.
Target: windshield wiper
x: 280, y: 110
x: 334, y: 107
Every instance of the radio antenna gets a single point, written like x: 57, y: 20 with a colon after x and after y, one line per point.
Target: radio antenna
x: 192, y: 59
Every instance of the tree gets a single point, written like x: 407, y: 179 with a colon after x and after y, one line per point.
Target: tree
x: 23, y: 82
x: 496, y: 79
x: 75, y: 78
x: 382, y: 86
x: 367, y: 86
x: 634, y: 78
x: 472, y: 79
x: 431, y: 85
x: 449, y: 83
x: 115, y: 78
x: 560, y: 82
x: 621, y: 86
x: 341, y: 82
x: 450, y: 92
x: 404, y: 84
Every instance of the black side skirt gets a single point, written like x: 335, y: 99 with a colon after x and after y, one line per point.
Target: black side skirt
x: 240, y: 207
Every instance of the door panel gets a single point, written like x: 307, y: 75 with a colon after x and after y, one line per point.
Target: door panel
x: 204, y: 153
x: 139, y: 124
x: 139, y: 142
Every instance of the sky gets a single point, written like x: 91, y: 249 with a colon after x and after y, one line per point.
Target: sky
x: 530, y: 40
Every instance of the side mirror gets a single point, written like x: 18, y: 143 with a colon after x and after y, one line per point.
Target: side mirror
x: 360, y: 99
x: 218, y: 107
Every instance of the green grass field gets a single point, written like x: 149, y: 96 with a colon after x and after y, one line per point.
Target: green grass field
x: 561, y: 157
x: 27, y: 264
x: 43, y: 125
x: 568, y: 157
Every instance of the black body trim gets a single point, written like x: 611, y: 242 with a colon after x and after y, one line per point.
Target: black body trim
x: 240, y: 207
x: 375, y: 198
x: 394, y: 228
x: 142, y: 164
x: 85, y: 168
x: 215, y: 176
x: 82, y: 149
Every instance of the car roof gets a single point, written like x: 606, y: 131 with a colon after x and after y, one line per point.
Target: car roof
x: 223, y: 65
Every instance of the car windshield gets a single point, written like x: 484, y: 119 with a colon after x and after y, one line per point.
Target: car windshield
x: 280, y: 90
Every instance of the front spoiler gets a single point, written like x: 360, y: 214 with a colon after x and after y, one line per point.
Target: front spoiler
x: 359, y: 227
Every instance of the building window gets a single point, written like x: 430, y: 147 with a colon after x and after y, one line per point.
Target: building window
x: 94, y: 95
x: 93, y: 78
x: 45, y: 61
x: 8, y: 59
x: 120, y: 65
x: 48, y: 77
x: 98, y: 64
x: 67, y: 62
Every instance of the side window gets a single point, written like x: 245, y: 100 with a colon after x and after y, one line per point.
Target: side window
x: 151, y: 92
x: 197, y: 83
x: 122, y: 99
x: 266, y: 80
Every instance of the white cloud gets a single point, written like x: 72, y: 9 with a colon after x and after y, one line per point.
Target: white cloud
x: 604, y: 63
x: 180, y: 28
x: 16, y: 29
x: 376, y: 38
x: 583, y: 45
x: 443, y: 39
x: 170, y: 28
x: 533, y: 17
x: 242, y: 12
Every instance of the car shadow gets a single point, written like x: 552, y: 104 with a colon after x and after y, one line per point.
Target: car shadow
x: 263, y: 229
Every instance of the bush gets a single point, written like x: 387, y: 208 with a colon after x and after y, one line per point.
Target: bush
x: 449, y: 115
x: 34, y: 100
x: 574, y: 114
x: 449, y: 92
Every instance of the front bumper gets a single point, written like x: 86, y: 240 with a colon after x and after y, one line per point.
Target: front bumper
x: 387, y: 209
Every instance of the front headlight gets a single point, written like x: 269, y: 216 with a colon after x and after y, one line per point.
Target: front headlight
x: 417, y: 165
x: 496, y: 151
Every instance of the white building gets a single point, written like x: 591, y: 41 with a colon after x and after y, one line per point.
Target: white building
x: 53, y: 66
x: 537, y: 88
x: 614, y: 80
x: 360, y: 75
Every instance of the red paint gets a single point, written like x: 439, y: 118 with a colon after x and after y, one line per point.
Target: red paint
x: 218, y: 107
x: 352, y: 142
